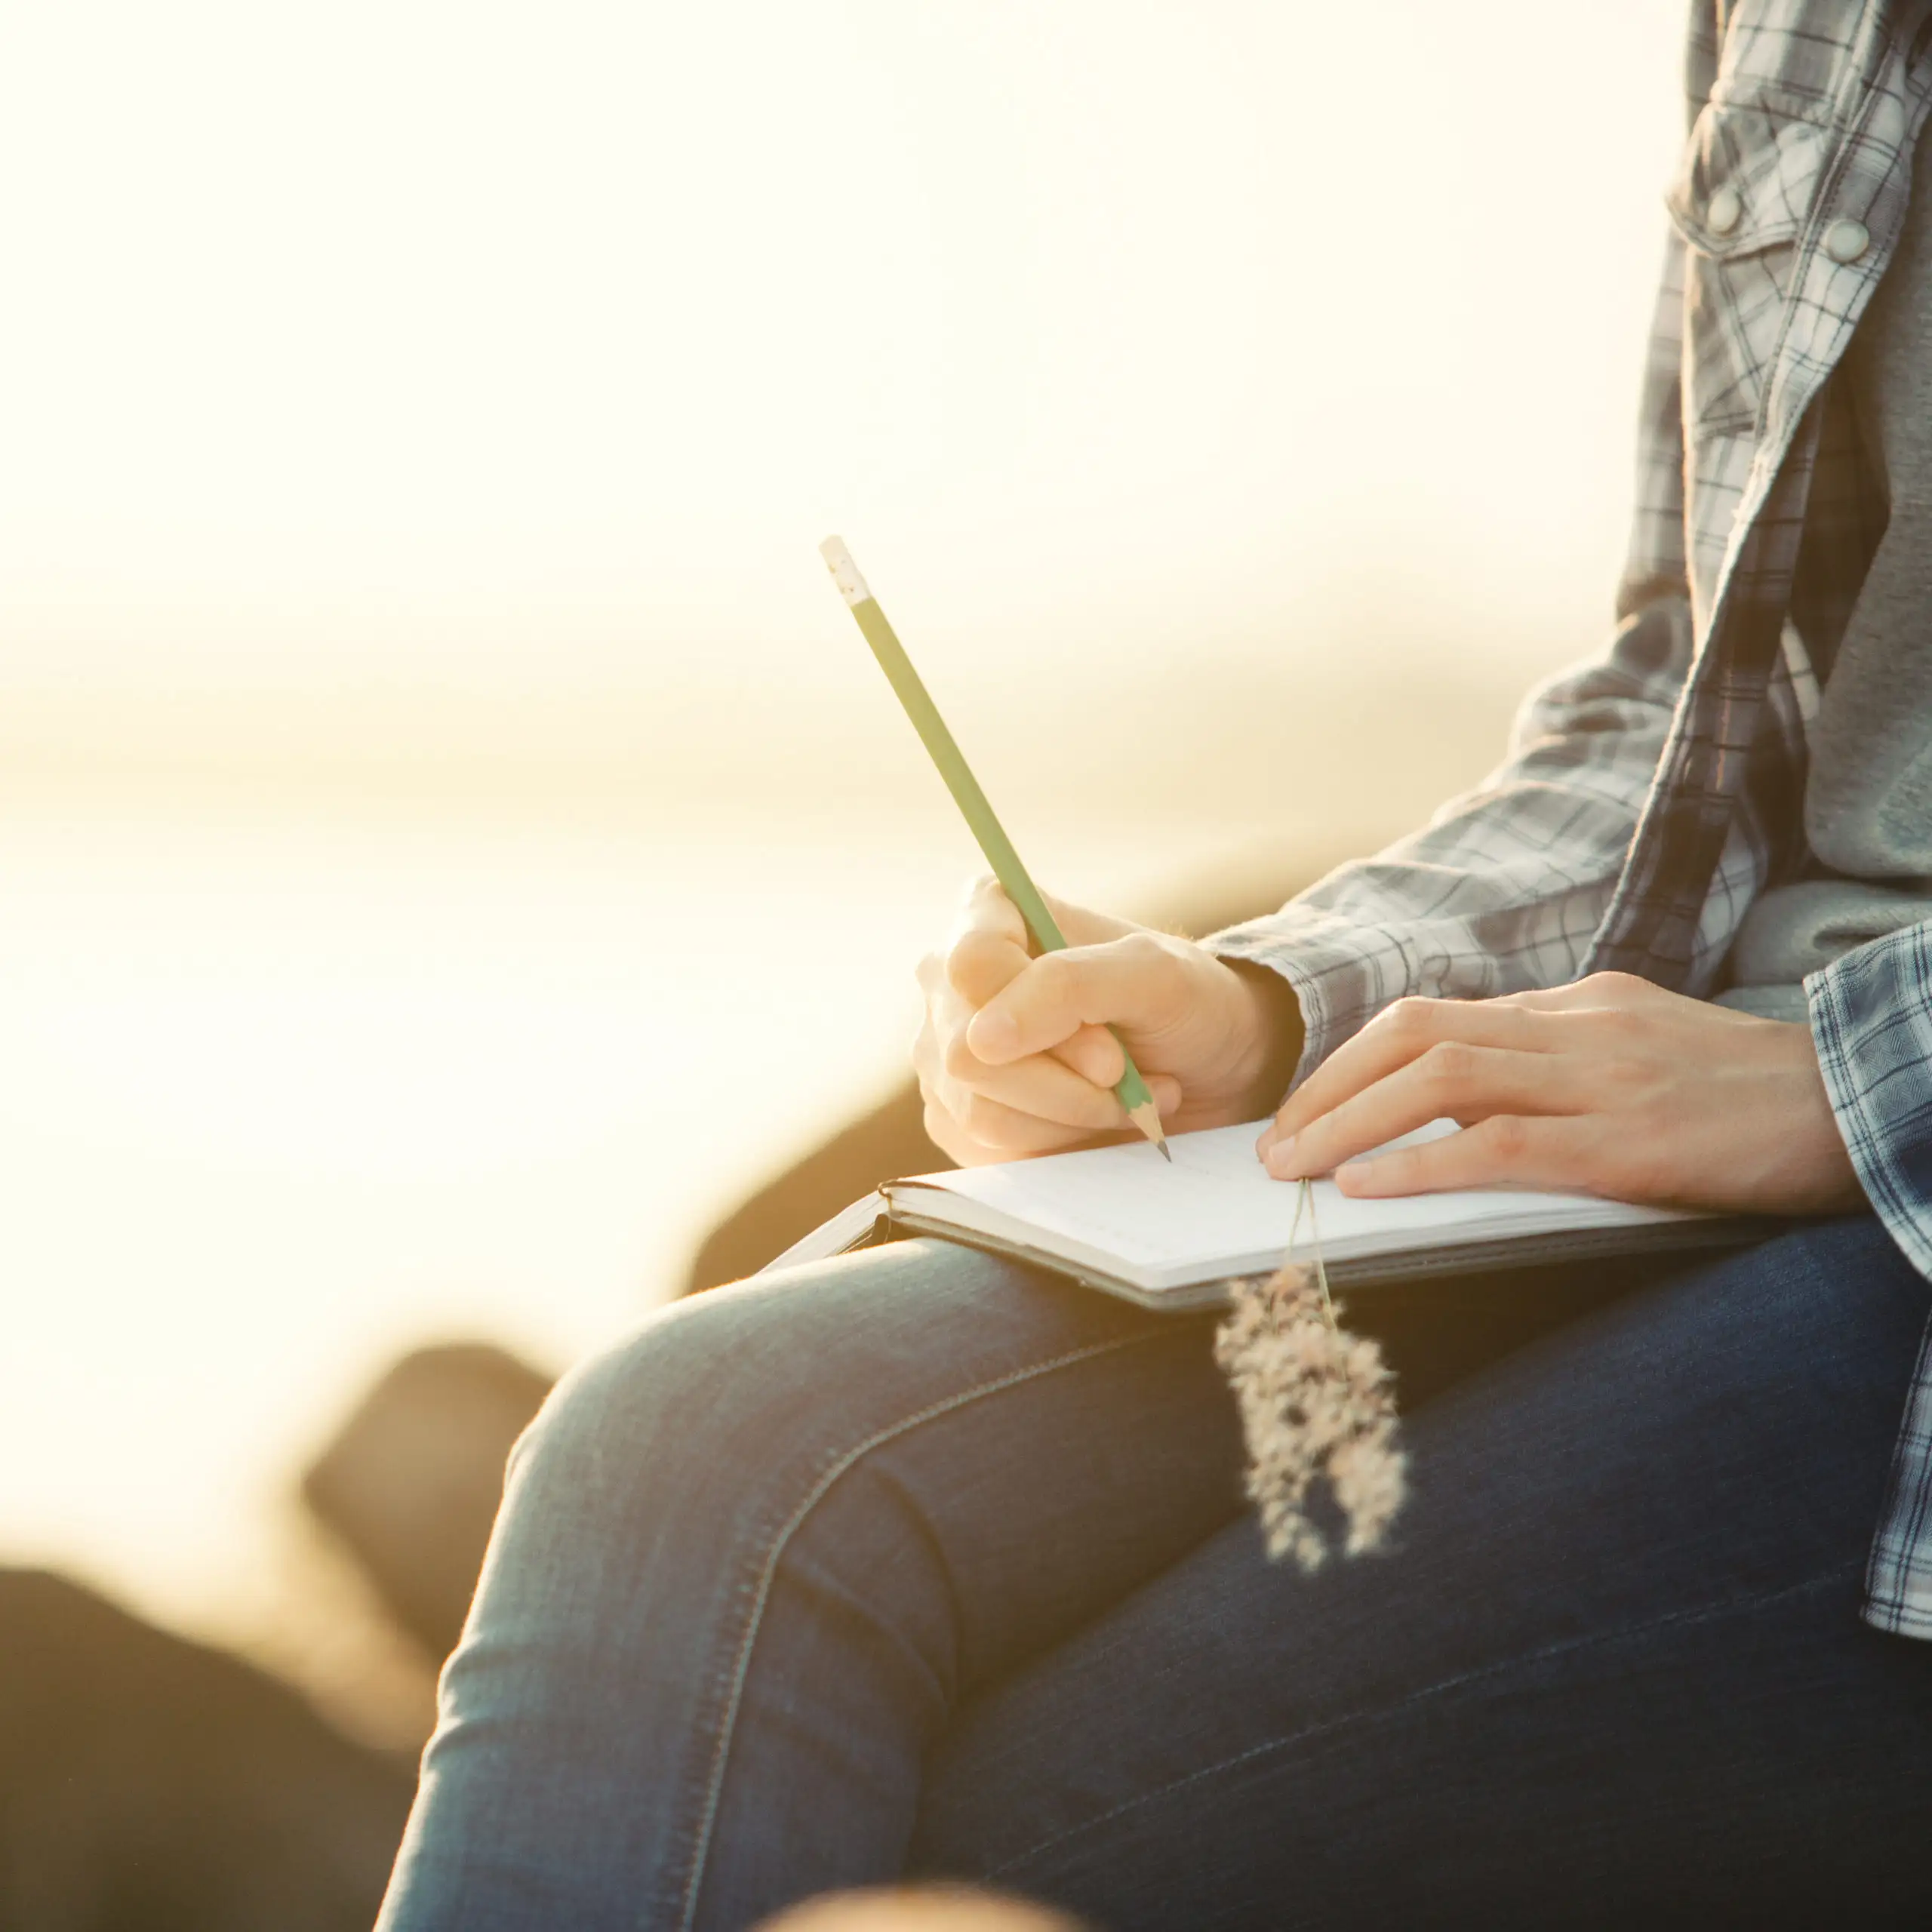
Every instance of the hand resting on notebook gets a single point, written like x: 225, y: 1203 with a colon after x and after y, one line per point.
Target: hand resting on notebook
x: 1611, y: 1087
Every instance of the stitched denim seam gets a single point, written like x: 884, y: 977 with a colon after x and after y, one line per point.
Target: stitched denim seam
x: 1447, y: 1684
x: 715, y: 1783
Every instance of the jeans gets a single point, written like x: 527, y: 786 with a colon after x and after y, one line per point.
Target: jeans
x: 921, y: 1562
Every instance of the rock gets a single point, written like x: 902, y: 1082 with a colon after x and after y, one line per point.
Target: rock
x: 411, y: 1481
x: 148, y: 1784
x: 922, y: 1909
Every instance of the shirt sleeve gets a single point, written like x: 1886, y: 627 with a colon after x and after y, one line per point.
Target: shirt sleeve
x: 1871, y: 1020
x: 1503, y: 889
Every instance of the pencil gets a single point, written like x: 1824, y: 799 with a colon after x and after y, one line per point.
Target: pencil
x: 1131, y: 1091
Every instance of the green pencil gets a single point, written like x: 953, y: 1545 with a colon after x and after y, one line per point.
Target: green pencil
x: 1132, y: 1091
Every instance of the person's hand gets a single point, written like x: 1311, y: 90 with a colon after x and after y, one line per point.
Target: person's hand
x: 1015, y: 1056
x: 1610, y: 1086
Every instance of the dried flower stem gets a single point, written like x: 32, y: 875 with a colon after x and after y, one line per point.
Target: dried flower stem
x: 1315, y: 1400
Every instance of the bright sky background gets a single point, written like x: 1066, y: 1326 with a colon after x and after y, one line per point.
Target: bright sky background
x: 409, y: 344
x: 405, y: 403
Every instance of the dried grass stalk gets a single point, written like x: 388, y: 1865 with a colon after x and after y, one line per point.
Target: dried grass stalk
x: 1315, y: 1401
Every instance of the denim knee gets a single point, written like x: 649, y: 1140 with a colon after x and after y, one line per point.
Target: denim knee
x: 753, y: 1393
x: 676, y: 1392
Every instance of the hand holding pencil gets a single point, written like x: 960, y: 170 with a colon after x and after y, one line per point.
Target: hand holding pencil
x: 1023, y: 1055
x: 1010, y: 1064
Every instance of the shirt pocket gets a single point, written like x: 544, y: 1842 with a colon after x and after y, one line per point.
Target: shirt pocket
x: 1741, y: 198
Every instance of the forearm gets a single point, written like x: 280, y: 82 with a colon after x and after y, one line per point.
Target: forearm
x: 1502, y: 892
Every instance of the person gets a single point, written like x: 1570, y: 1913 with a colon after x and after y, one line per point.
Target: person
x: 918, y: 1562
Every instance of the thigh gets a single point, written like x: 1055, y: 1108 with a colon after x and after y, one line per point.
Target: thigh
x: 974, y: 1457
x: 1614, y: 1672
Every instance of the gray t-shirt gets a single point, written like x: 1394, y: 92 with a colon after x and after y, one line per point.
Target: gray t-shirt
x: 1868, y: 797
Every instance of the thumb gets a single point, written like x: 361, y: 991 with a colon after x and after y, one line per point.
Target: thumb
x: 1080, y: 926
x: 1130, y: 982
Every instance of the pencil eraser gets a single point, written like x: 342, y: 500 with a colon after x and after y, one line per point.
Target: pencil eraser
x: 844, y: 572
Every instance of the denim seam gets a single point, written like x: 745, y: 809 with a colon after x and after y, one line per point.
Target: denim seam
x: 715, y: 1783
x: 1570, y: 1644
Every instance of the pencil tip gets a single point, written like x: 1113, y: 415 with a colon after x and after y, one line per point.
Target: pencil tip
x: 1147, y: 1118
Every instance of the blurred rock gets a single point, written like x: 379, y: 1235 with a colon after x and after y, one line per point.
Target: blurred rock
x: 148, y: 1784
x: 922, y: 1909
x: 411, y: 1481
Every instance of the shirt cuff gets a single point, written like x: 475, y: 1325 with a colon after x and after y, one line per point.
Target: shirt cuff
x: 1343, y: 972
x: 1872, y: 1023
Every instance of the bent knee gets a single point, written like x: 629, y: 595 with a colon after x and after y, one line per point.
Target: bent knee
x: 791, y: 1370
x: 673, y: 1387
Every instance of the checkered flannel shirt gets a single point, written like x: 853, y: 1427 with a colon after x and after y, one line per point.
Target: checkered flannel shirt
x: 1651, y: 796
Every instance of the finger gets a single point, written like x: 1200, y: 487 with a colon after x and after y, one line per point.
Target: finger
x: 943, y: 1131
x: 984, y: 907
x: 955, y: 1113
x: 979, y: 964
x: 1009, y: 1131
x: 1124, y: 981
x: 1080, y: 925
x: 1039, y: 1084
x: 1506, y: 1150
x: 1094, y: 1054
x: 988, y: 945
x: 1452, y: 1080
x: 953, y: 1140
x: 926, y: 1056
x: 1594, y: 991
x: 1044, y: 1084
x: 991, y: 942
x: 1395, y: 1037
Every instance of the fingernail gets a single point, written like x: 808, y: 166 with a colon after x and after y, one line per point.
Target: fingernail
x: 1279, y: 1159
x: 1357, y: 1176
x: 991, y: 1034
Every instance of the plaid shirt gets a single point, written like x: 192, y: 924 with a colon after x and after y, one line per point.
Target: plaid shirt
x: 1649, y: 796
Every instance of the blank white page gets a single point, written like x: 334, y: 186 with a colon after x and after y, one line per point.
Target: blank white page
x: 1217, y: 1204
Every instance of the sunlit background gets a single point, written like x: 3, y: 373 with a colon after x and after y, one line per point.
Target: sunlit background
x: 452, y: 841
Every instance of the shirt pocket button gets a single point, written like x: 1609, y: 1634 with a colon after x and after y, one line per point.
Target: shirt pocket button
x: 1846, y: 241
x: 1725, y: 211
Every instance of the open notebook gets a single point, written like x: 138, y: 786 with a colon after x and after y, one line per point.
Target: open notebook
x: 1119, y: 1218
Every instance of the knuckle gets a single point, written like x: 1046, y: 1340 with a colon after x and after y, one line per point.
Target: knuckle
x: 985, y: 1120
x: 1507, y: 1135
x: 1055, y: 976
x: 1617, y: 1024
x: 1449, y: 1063
x: 1412, y: 1017
x: 945, y: 1134
x: 962, y: 957
x: 957, y: 1059
x: 1617, y: 986
x: 1624, y: 1075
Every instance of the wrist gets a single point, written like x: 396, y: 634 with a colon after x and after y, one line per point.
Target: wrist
x: 1272, y: 1034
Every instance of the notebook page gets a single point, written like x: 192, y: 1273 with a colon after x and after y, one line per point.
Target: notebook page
x: 1218, y: 1200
